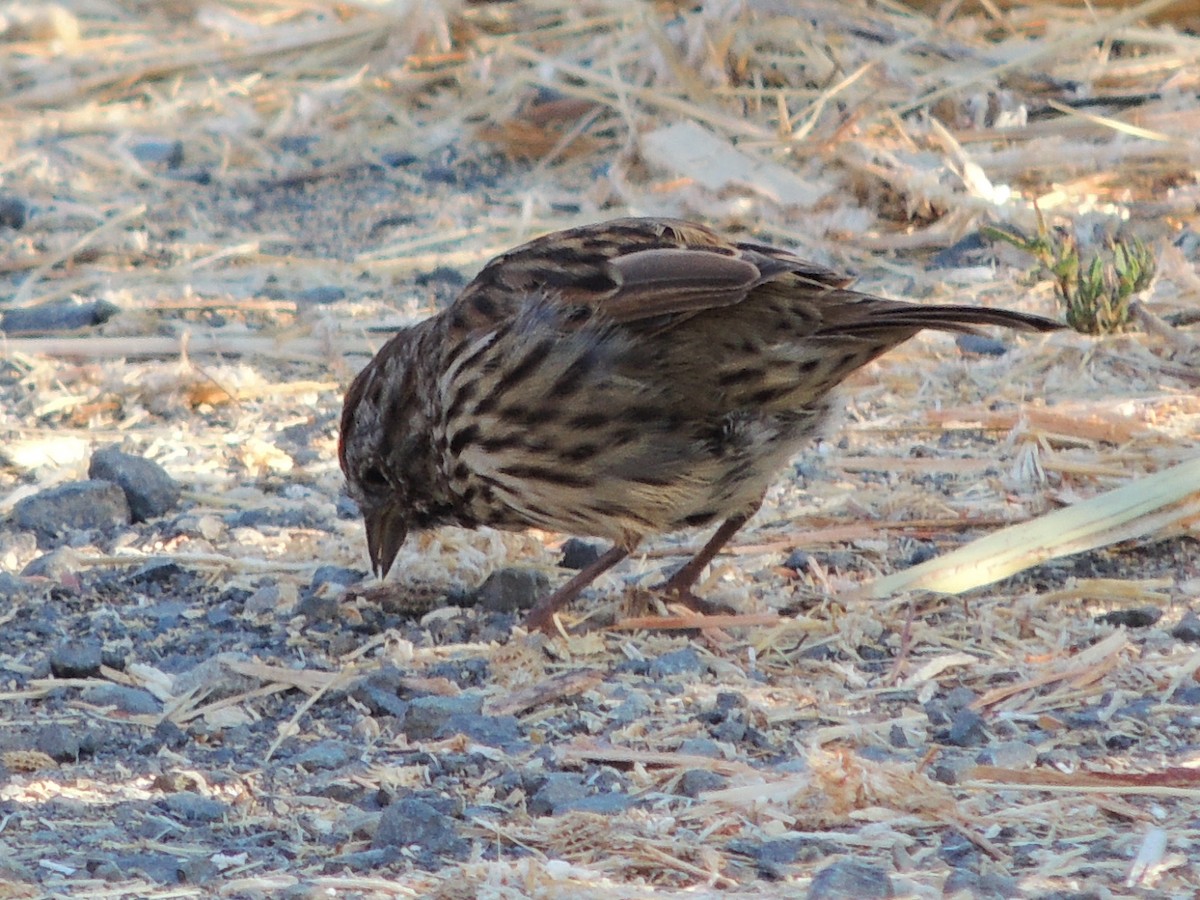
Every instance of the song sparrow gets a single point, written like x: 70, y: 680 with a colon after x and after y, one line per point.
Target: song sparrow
x: 618, y: 380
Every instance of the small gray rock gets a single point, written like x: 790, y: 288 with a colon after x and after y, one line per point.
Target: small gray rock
x: 11, y: 586
x: 1137, y: 617
x: 60, y: 742
x: 14, y: 212
x: 980, y: 345
x: 321, y: 295
x: 156, y: 571
x: 161, y: 151
x: 427, y: 716
x: 317, y: 606
x: 849, y: 878
x: 1188, y: 629
x: 80, y: 505
x: 797, y: 561
x: 971, y: 250
x: 192, y: 807
x: 491, y: 731
x: 678, y: 662
x: 557, y: 794
x: 411, y: 821
x: 325, y: 755
x: 57, y: 565
x: 695, y: 782
x: 991, y: 886
x: 126, y: 699
x: 511, y: 590
x: 951, y: 769
x: 699, y: 747
x: 1009, y: 755
x: 967, y: 729
x: 605, y: 803
x: 577, y: 554
x: 150, y: 491
x: 76, y: 659
x: 337, y: 575
x: 59, y: 315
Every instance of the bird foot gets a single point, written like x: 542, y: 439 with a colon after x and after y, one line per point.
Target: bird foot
x: 691, y: 601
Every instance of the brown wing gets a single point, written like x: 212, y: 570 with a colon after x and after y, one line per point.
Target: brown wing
x: 629, y: 270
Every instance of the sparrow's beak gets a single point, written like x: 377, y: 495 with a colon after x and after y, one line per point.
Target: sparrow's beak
x: 386, y: 531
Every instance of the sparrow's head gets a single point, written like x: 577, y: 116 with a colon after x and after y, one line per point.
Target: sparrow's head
x: 380, y: 432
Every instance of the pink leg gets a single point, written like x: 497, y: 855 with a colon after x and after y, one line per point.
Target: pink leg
x: 541, y: 617
x: 680, y: 584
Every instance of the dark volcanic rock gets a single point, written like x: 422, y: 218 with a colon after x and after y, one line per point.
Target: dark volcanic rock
x: 151, y: 492
x: 78, y: 506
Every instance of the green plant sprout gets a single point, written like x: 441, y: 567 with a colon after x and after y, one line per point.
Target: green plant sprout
x: 1095, y: 295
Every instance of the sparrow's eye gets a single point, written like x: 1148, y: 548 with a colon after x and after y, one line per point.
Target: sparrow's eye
x: 373, y: 479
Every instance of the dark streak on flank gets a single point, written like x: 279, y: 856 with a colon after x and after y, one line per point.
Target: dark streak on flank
x: 589, y: 420
x: 546, y: 474
x: 525, y: 367
x: 462, y: 438
x: 738, y: 376
x: 571, y: 380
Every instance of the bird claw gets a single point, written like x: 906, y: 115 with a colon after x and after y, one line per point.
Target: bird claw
x: 671, y: 595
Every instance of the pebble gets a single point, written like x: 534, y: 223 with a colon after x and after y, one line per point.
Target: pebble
x: 990, y: 886
x: 412, y: 822
x: 951, y: 769
x: 325, y: 755
x: 317, y: 606
x: 321, y: 295
x: 966, y: 729
x: 491, y: 731
x: 158, y: 868
x: 58, y: 315
x: 467, y: 672
x: 774, y: 856
x: 159, y: 151
x: 1137, y: 617
x: 511, y: 589
x: 151, y: 492
x: 1188, y: 629
x: 699, y: 747
x: 923, y: 552
x: 156, y: 571
x: 442, y: 275
x: 195, y: 808
x: 557, y: 794
x: 267, y: 599
x: 79, y: 505
x: 167, y: 735
x: 379, y: 692
x: 62, y: 743
x: 339, y: 575
x: 980, y: 345
x: 850, y: 878
x: 427, y: 716
x: 76, y: 659
x: 11, y: 586
x: 797, y: 561
x: 14, y: 212
x: 695, y: 782
x: 971, y: 250
x: 577, y: 554
x: 127, y: 699
x: 61, y: 565
x: 684, y: 661
x: 1009, y: 755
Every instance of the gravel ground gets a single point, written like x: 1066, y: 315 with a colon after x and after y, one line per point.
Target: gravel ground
x: 200, y: 695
